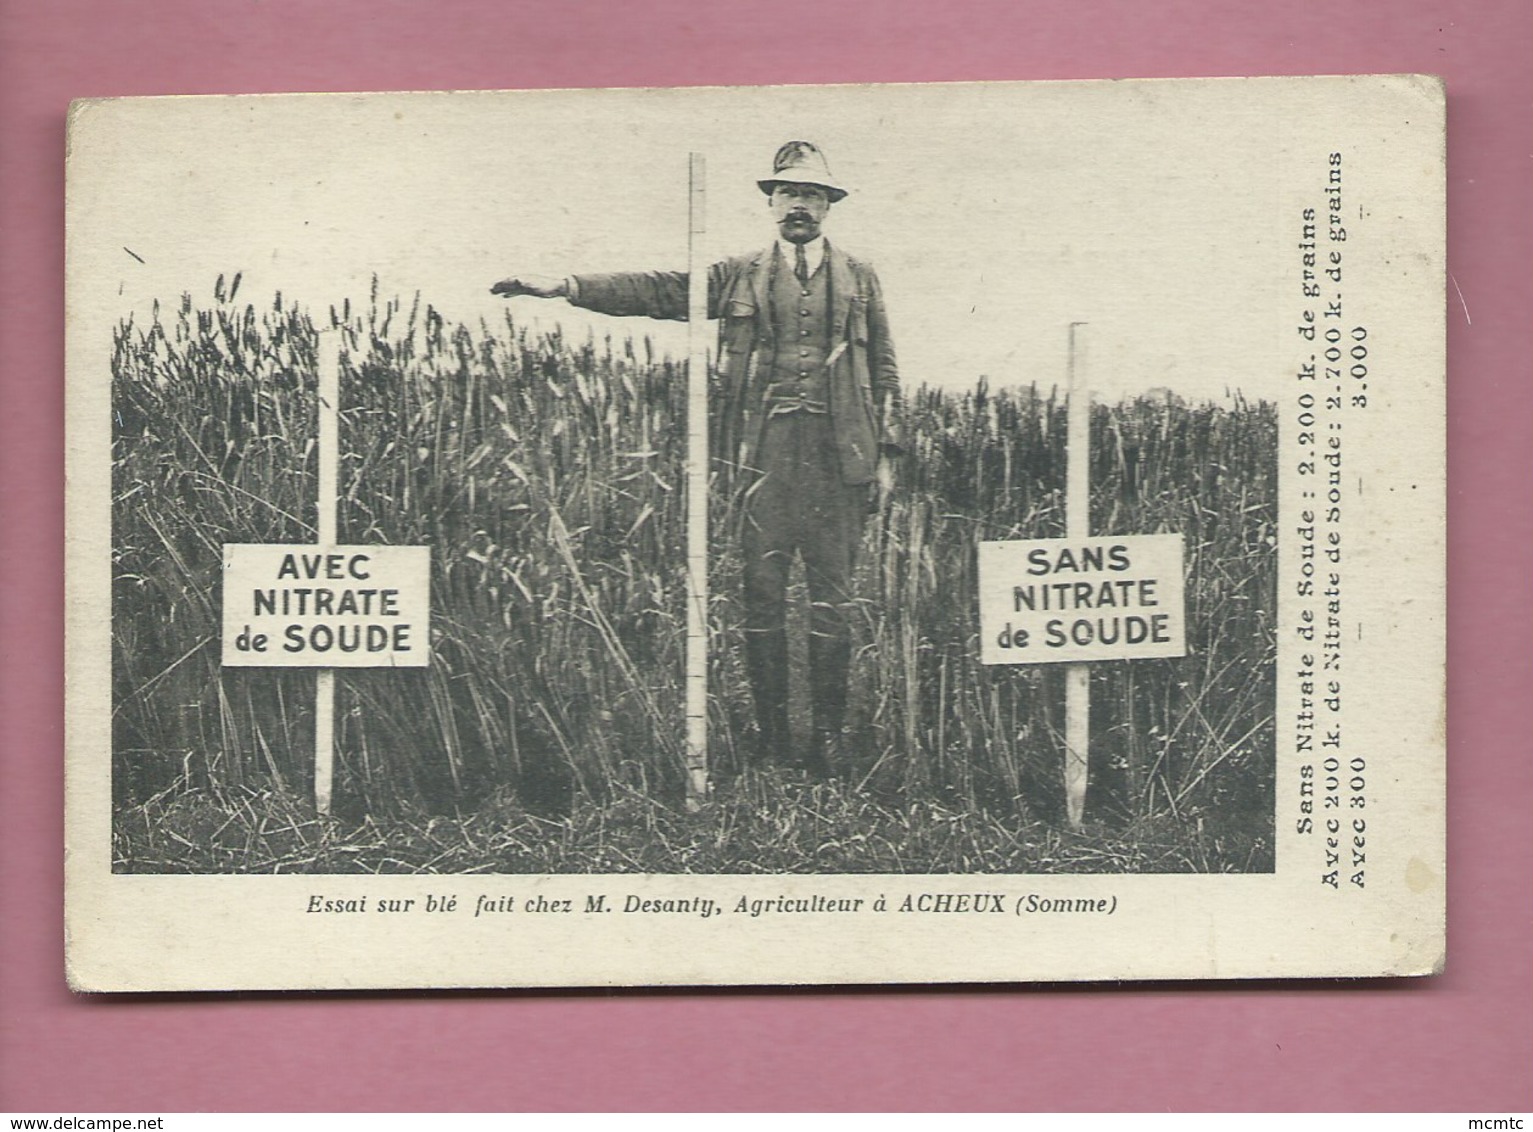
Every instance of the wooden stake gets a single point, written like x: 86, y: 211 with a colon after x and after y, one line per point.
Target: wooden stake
x: 697, y: 487
x: 1077, y: 529
x: 324, y: 679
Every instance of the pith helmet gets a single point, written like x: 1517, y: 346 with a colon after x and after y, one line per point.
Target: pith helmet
x: 802, y: 163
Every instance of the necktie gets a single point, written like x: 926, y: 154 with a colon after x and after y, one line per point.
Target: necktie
x: 800, y: 264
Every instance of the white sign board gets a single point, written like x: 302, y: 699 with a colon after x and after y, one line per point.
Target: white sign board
x: 1046, y: 600
x: 307, y: 606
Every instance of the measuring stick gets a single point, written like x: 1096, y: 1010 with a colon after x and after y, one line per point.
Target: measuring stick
x: 1077, y: 529
x: 324, y: 678
x: 697, y: 486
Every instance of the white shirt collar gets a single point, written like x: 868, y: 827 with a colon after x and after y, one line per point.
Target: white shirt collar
x: 814, y: 252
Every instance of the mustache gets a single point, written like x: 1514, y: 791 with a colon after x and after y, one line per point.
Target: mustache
x: 799, y: 217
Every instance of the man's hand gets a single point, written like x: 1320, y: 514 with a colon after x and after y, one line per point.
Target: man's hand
x: 538, y: 286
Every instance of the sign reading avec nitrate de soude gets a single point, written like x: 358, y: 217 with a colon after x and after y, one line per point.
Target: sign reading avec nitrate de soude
x: 307, y: 606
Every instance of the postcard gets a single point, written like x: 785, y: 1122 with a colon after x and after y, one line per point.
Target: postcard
x: 789, y: 535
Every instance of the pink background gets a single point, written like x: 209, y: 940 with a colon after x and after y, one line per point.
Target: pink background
x: 1460, y: 1042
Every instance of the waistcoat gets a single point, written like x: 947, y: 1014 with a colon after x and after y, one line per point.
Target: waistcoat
x: 797, y: 380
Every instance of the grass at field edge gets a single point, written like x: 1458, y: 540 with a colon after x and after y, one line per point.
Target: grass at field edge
x: 761, y: 822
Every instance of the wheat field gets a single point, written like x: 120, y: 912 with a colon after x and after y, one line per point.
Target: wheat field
x: 546, y: 475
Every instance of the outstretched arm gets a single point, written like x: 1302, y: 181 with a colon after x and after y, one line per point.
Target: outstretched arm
x: 657, y: 294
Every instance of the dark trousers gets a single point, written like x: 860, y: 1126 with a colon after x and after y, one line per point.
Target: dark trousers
x: 800, y: 505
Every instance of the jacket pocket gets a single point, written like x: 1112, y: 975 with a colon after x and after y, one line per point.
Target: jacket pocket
x: 739, y: 326
x: 857, y: 321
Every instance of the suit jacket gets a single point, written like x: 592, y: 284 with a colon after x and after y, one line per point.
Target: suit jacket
x: 864, y: 379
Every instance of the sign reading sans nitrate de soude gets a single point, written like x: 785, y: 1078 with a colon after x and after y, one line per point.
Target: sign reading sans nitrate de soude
x: 307, y: 606
x: 1044, y: 600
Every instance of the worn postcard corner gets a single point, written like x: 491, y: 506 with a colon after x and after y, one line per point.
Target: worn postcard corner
x: 762, y: 535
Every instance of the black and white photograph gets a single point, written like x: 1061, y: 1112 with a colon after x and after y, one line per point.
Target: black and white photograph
x: 757, y: 534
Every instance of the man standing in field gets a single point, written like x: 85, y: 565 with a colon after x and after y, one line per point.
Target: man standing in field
x: 806, y: 407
